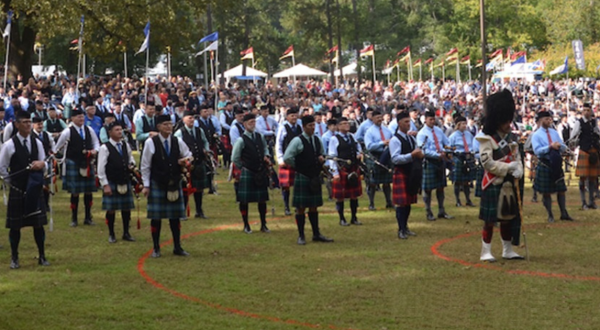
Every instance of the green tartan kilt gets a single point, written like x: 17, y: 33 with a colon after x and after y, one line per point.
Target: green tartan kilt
x: 488, y: 208
x: 117, y: 201
x: 74, y: 183
x: 458, y: 172
x: 160, y: 208
x: 303, y: 197
x: 248, y: 191
x: 434, y: 175
x: 200, y: 179
x: 479, y: 177
x: 543, y: 181
x: 377, y: 174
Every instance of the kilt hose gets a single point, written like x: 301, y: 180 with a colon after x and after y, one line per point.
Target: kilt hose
x: 74, y: 183
x: 342, y: 190
x: 117, y: 201
x: 543, y: 180
x: 303, y: 196
x: 434, y: 175
x: 16, y: 211
x: 377, y: 174
x: 160, y: 208
x: 584, y: 169
x: 479, y: 177
x: 400, y: 195
x: 286, y: 176
x: 459, y: 174
x: 249, y: 191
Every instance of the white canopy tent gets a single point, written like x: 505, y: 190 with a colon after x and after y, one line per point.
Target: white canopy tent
x: 300, y: 70
x: 349, y: 70
x: 521, y: 70
x: 237, y: 71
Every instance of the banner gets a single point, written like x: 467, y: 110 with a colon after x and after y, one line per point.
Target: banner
x: 578, y: 51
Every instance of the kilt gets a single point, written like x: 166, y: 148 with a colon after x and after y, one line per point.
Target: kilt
x: 16, y: 209
x: 201, y: 180
x: 377, y: 174
x: 303, y: 197
x: 74, y: 183
x: 434, y: 175
x: 249, y: 191
x: 286, y: 176
x: 479, y: 176
x: 400, y: 195
x: 543, y: 181
x: 160, y: 208
x: 488, y: 208
x: 533, y: 165
x: 341, y: 190
x: 236, y: 173
x: 458, y: 173
x: 226, y: 145
x: 583, y: 165
x: 117, y: 201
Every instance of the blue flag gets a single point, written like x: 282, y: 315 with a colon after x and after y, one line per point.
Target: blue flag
x: 6, y: 32
x: 518, y: 60
x: 146, y: 40
x: 211, y: 37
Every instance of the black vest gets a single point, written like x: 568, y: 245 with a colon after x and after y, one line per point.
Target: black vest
x: 146, y: 125
x: 307, y: 162
x: 55, y: 127
x: 240, y: 128
x: 77, y: 144
x: 346, y: 150
x: 253, y: 153
x: 20, y: 160
x: 290, y: 135
x: 45, y: 141
x: 587, y: 134
x: 196, y: 144
x: 121, y: 120
x: 228, y: 120
x: 209, y: 129
x: 405, y: 149
x: 164, y: 169
x: 117, y: 166
x: 566, y: 132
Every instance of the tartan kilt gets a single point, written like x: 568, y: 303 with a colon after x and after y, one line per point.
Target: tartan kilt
x: 201, y: 180
x: 248, y: 191
x: 543, y: 181
x: 479, y: 176
x: 16, y: 209
x: 458, y: 172
x: 400, y: 195
x: 74, y: 183
x: 488, y: 208
x: 377, y: 175
x: 160, y: 208
x: 286, y: 176
x: 583, y: 165
x: 303, y: 197
x: 236, y: 173
x: 226, y: 145
x: 434, y: 175
x: 341, y: 190
x: 117, y: 201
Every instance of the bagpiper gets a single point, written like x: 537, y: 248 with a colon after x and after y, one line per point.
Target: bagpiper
x: 377, y: 140
x: 285, y: 134
x: 585, y: 130
x: 463, y: 172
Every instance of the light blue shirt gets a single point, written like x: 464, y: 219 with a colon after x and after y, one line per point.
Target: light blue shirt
x: 261, y: 126
x: 396, y: 149
x: 139, y: 128
x: 393, y: 126
x: 216, y: 124
x: 373, y: 140
x: 326, y: 138
x: 540, y: 143
x: 223, y: 120
x: 123, y: 117
x: 362, y: 130
x: 234, y: 132
x: 332, y: 150
x: 456, y: 140
x: 429, y: 148
x: 320, y: 129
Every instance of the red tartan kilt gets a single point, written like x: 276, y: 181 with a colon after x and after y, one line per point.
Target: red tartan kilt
x: 400, y: 195
x: 236, y: 173
x: 286, y: 176
x: 214, y: 150
x: 340, y: 189
x: 226, y: 145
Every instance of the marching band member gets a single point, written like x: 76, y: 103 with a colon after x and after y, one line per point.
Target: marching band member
x: 588, y: 164
x: 464, y: 163
x: 48, y: 143
x: 267, y: 126
x: 377, y: 140
x: 331, y: 130
x: 286, y: 132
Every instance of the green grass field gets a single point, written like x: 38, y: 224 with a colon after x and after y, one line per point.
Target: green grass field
x: 367, y: 279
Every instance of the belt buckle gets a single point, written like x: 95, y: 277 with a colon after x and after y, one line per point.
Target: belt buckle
x: 502, y: 144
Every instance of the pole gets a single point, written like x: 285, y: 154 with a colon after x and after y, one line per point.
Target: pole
x: 125, y: 62
x: 469, y: 64
x: 6, y: 61
x: 431, y: 69
x: 206, y: 69
x: 146, y: 73
x: 40, y: 55
x: 293, y: 65
x: 78, y: 66
x: 410, y: 68
x: 253, y: 76
x: 217, y: 80
x: 337, y: 65
x: 421, y: 71
x: 169, y: 63
x: 212, y: 73
x: 457, y: 69
x: 388, y: 76
x: 483, y: 55
x: 398, y: 71
x: 83, y: 66
x: 374, y: 73
x: 443, y: 72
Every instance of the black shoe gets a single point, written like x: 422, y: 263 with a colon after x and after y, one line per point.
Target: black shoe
x: 402, y: 235
x: 550, y: 219
x: 430, y: 216
x: 322, y: 238
x: 534, y: 200
x: 458, y: 204
x: 180, y: 252
x: 43, y: 262
x: 112, y: 239
x: 371, y: 207
x: 155, y: 253
x: 470, y: 204
x: 287, y: 212
x: 389, y: 206
x: 264, y: 229
x: 200, y: 215
x: 73, y: 223
x: 343, y: 223
x: 301, y: 241
x: 14, y: 264
x: 409, y: 232
x: 445, y: 216
x: 584, y: 207
x: 593, y: 206
x: 128, y: 237
x: 247, y: 230
x: 211, y: 192
x: 88, y: 222
x: 566, y: 217
x: 355, y: 222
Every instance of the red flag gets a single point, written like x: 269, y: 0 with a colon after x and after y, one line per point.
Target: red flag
x: 429, y: 60
x: 496, y: 53
x: 404, y: 50
x: 288, y: 53
x: 387, y: 64
x: 74, y: 41
x: 452, y: 51
x: 333, y: 49
x: 247, y: 51
x: 368, y: 51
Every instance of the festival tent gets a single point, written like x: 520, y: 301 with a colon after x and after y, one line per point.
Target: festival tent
x: 521, y: 70
x: 349, y: 70
x: 237, y: 72
x: 300, y: 70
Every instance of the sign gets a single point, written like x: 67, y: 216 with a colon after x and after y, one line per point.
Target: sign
x: 578, y: 51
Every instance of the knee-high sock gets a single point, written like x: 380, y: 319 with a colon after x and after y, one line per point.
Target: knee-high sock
x: 286, y: 198
x: 406, y: 215
x: 547, y: 201
x: 155, y: 230
x: 387, y: 192
x: 457, y: 192
x: 300, y: 221
x: 14, y: 237
x: 562, y: 204
x: 74, y: 206
x: 506, y: 230
x: 339, y: 206
x: 175, y: 225
x: 593, y: 189
x: 467, y: 190
x: 313, y: 217
x: 126, y: 215
x: 244, y: 212
x: 236, y: 186
x: 427, y: 200
x: 354, y: 207
x: 87, y: 200
x: 439, y: 193
x: 400, y: 218
x: 110, y: 221
x: 262, y: 210
x: 488, y: 232
x: 40, y: 236
x: 198, y: 200
x: 371, y: 194
x: 582, y: 191
x: 186, y: 200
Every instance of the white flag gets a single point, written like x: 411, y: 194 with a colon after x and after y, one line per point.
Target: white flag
x: 144, y: 45
x: 6, y: 32
x: 212, y: 46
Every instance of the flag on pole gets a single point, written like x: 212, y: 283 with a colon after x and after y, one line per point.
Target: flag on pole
x: 417, y: 63
x: 440, y: 64
x: 479, y: 64
x: 387, y: 64
x: 452, y: 52
x: 490, y: 66
x: 288, y: 53
x: 333, y: 49
x: 451, y: 60
x: 496, y: 56
x: 368, y: 51
x: 247, y: 54
x: 429, y: 60
x: 405, y: 58
x: 146, y: 42
x: 539, y: 65
x: 518, y: 60
x: 74, y: 41
x: 562, y: 69
x: 404, y: 50
x: 465, y: 60
x: 210, y: 38
x: 213, y: 46
x: 6, y: 32
x: 80, y: 40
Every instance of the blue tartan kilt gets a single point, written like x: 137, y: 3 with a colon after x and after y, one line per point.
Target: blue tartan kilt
x: 434, y: 175
x: 286, y: 176
x: 377, y: 174
x: 303, y: 196
x: 74, y: 183
x: 160, y: 208
x: 543, y: 181
x: 117, y: 201
x: 249, y: 191
x: 400, y: 195
x: 479, y: 177
x: 459, y: 174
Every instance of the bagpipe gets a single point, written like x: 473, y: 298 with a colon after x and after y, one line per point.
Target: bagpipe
x: 415, y: 178
x: 352, y: 168
x: 218, y: 143
x: 137, y: 185
x: 186, y: 176
x: 273, y: 177
x: 378, y: 162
